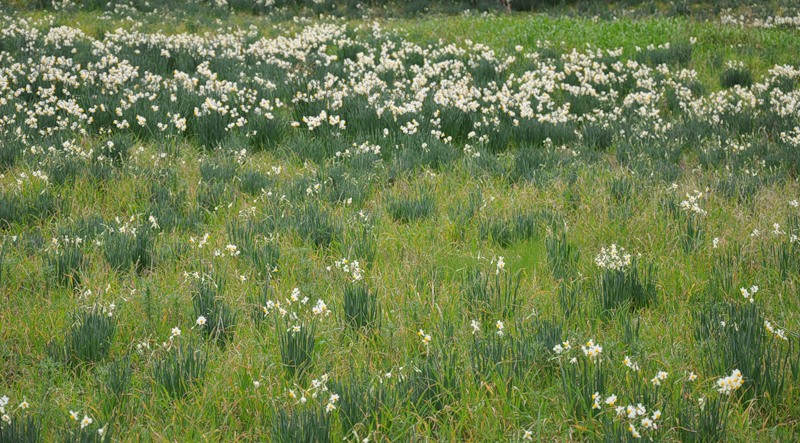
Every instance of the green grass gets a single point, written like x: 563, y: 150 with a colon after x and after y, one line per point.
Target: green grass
x: 422, y: 232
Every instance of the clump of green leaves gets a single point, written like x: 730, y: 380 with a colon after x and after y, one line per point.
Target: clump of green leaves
x: 65, y: 261
x: 130, y: 248
x: 736, y: 75
x: 629, y: 287
x: 462, y: 213
x: 115, y: 385
x: 215, y: 318
x: 316, y: 225
x: 363, y: 403
x: 361, y: 310
x: 491, y: 295
x: 580, y: 380
x: 89, y: 337
x: 704, y: 422
x: 180, y: 369
x: 417, y: 204
x: 296, y: 344
x: 561, y: 255
x: 737, y: 336
x: 302, y: 425
x: 520, y: 226
x: 25, y: 429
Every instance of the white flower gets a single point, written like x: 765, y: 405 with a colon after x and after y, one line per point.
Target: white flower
x: 233, y: 250
x: 475, y: 326
x: 320, y: 308
x: 614, y: 258
x: 86, y: 421
x: 726, y: 385
x: 201, y: 321
x: 749, y: 293
x: 592, y: 350
x: 630, y: 364
x: 426, y: 339
x: 176, y: 331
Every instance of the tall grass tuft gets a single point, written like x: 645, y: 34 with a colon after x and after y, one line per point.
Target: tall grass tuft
x: 580, y: 380
x: 297, y: 349
x: 25, y: 429
x: 489, y: 355
x: 462, y: 212
x: 65, y: 261
x: 434, y: 383
x: 116, y: 383
x: 361, y: 243
x: 568, y: 299
x: 131, y: 250
x: 703, y: 423
x: 492, y: 295
x: 316, y: 225
x: 562, y: 256
x: 309, y: 424
x: 181, y: 369
x: 361, y: 310
x: 629, y: 287
x: 415, y: 205
x: 208, y: 302
x: 736, y: 75
x: 90, y: 337
x: 2, y: 263
x: 737, y: 336
x: 520, y: 226
x: 363, y: 404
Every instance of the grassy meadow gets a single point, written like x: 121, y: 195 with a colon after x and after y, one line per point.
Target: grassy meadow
x: 261, y: 223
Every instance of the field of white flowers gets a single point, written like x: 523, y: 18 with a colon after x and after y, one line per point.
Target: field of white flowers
x: 317, y: 230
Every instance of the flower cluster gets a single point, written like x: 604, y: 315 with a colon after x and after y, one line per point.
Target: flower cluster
x: 425, y: 338
x: 613, y: 258
x: 749, y: 293
x: 352, y: 268
x: 296, y: 309
x: 779, y: 333
x: 318, y: 390
x: 727, y: 385
x: 5, y: 417
x: 692, y: 203
x: 592, y: 350
x: 635, y: 417
x: 660, y: 376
